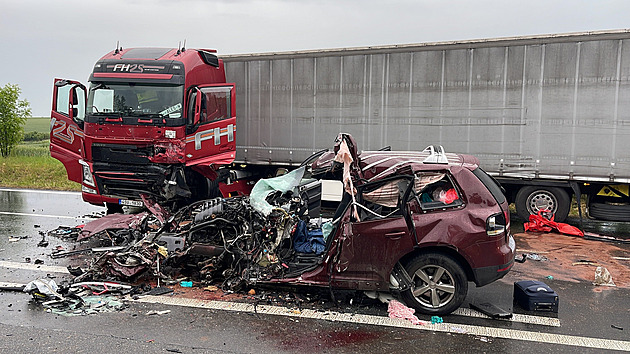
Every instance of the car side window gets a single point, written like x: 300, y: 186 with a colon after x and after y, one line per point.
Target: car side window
x: 436, y: 191
x: 379, y: 201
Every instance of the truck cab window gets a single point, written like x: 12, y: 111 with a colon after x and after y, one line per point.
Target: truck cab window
x: 78, y: 104
x: 215, y: 104
x: 63, y: 100
x: 71, y: 102
x: 70, y: 98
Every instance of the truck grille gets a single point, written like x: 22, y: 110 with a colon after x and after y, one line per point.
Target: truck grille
x: 116, y: 153
x: 129, y: 180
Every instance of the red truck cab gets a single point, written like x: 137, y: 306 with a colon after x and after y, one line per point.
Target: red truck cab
x: 153, y: 121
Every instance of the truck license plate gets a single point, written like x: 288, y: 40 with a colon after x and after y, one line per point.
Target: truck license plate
x: 135, y: 203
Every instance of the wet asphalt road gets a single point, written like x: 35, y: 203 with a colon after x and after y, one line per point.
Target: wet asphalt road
x: 585, y: 316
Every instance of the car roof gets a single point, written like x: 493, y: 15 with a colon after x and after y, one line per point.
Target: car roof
x: 379, y: 164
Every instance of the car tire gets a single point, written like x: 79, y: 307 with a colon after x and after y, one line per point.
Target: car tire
x: 439, y: 284
x: 531, y: 199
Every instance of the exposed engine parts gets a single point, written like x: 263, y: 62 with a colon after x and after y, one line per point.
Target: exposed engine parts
x: 212, y: 240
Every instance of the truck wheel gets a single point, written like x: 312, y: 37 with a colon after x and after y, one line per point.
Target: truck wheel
x: 439, y: 284
x: 609, y: 212
x: 531, y: 199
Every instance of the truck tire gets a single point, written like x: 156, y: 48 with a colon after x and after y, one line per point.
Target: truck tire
x: 609, y: 212
x: 531, y: 199
x: 439, y: 284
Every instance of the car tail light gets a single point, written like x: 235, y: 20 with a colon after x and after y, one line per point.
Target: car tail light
x: 496, y: 224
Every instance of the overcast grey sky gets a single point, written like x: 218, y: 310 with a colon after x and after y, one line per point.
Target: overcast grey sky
x: 42, y: 40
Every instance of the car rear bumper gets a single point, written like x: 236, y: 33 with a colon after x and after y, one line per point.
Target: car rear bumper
x: 487, y: 275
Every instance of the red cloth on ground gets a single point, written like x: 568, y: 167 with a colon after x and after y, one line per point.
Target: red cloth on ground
x: 538, y: 223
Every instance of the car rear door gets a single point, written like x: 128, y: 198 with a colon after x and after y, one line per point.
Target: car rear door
x: 66, y: 125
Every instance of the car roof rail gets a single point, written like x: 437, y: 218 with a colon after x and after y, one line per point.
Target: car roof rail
x: 436, y: 154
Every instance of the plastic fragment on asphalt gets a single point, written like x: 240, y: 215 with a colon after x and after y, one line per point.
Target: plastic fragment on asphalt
x: 436, y: 319
x: 536, y: 257
x: 159, y: 291
x: 45, y: 288
x: 154, y: 312
x: 603, y: 277
x: 396, y: 309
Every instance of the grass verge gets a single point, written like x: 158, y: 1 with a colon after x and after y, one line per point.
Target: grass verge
x: 35, y: 172
x: 30, y: 165
x: 37, y: 124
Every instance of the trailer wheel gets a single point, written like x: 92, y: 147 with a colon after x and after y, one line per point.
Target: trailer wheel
x: 531, y: 199
x: 609, y: 212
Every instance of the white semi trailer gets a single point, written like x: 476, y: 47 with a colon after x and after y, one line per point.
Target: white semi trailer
x: 548, y: 115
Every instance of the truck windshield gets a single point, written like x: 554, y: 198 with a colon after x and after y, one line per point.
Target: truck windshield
x: 134, y: 99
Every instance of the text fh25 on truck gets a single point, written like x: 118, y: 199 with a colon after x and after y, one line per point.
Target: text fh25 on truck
x: 154, y: 121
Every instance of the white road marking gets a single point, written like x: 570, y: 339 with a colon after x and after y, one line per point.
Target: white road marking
x: 536, y: 320
x: 35, y: 267
x: 587, y: 342
x: 516, y: 317
x: 505, y: 333
x: 11, y: 285
x: 41, y: 215
x: 39, y: 191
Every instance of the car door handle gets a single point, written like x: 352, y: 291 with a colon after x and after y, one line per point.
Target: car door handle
x: 395, y: 235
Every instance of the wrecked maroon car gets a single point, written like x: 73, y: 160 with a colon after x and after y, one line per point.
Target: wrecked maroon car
x: 420, y: 225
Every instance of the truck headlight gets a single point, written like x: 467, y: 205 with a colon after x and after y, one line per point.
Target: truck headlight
x: 88, y: 190
x: 87, y: 174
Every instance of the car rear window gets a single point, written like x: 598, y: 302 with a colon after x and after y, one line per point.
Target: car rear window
x: 493, y: 186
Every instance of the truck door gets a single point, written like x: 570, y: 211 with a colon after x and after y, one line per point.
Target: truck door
x: 211, y: 129
x: 66, y: 125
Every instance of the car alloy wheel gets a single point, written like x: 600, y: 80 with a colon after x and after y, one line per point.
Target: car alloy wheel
x: 434, y: 286
x: 438, y: 284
